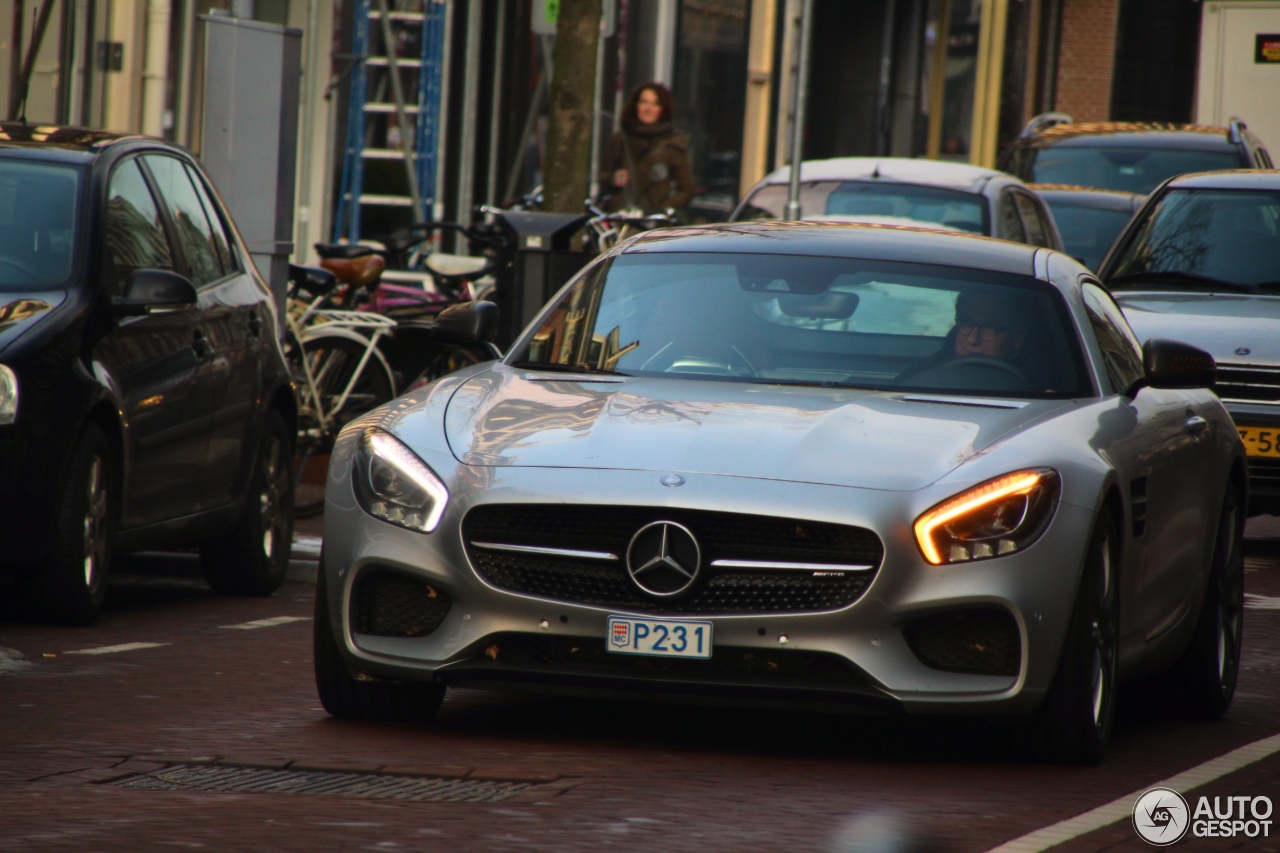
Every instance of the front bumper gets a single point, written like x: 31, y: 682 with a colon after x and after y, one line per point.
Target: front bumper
x: 857, y: 656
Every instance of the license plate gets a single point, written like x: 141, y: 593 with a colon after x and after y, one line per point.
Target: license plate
x: 1260, y: 441
x: 659, y: 637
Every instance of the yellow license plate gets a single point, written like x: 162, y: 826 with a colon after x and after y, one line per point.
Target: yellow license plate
x: 1260, y: 441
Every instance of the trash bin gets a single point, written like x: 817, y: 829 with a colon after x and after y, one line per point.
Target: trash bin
x: 544, y: 261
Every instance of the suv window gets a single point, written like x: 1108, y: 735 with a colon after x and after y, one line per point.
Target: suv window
x: 195, y: 234
x: 1008, y: 223
x: 1134, y: 170
x: 221, y: 242
x: 1121, y: 352
x: 134, y: 231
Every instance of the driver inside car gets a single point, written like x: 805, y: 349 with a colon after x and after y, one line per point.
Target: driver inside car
x: 988, y: 335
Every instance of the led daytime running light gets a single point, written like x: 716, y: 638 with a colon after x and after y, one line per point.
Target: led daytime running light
x: 1010, y: 485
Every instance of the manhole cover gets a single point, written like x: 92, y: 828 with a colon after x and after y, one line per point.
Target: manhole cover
x: 254, y: 780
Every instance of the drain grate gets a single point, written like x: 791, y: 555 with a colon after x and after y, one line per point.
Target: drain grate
x: 255, y: 780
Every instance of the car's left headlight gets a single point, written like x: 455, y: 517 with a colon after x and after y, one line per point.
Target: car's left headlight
x: 1001, y: 516
x: 8, y: 395
x: 393, y: 484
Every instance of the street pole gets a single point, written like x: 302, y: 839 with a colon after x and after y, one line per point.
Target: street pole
x: 797, y: 113
x: 594, y: 186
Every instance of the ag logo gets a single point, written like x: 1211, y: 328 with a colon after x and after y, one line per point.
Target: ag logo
x: 1161, y: 816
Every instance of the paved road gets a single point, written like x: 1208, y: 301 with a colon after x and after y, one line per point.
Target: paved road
x: 181, y: 684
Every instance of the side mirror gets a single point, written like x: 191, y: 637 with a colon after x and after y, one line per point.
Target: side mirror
x: 313, y: 280
x: 154, y: 292
x: 467, y: 322
x: 1173, y: 364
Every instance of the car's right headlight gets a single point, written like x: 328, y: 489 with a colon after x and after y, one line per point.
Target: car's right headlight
x: 1001, y: 516
x: 8, y: 395
x: 394, y: 485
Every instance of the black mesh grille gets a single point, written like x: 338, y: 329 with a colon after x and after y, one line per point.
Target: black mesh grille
x: 1264, y: 476
x: 728, y: 662
x: 388, y: 603
x: 1248, y: 384
x: 721, y: 536
x: 975, y: 642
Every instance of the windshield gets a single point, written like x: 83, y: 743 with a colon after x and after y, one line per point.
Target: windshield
x: 1134, y: 170
x: 874, y: 201
x: 1199, y: 237
x: 784, y: 319
x: 1087, y: 232
x: 37, y: 224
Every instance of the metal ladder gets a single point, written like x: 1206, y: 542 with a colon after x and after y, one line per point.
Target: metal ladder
x: 372, y: 118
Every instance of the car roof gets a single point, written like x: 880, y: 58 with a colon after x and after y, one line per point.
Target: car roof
x: 1092, y: 197
x: 1128, y: 134
x: 907, y: 170
x: 843, y: 240
x: 1228, y: 179
x: 62, y: 142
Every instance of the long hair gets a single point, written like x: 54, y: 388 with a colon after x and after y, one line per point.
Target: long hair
x: 629, y: 116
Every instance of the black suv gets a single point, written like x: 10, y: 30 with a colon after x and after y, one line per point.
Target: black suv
x: 144, y: 398
x: 1127, y: 156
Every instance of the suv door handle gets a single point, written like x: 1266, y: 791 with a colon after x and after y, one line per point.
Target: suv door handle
x: 1196, y: 425
x: 200, y: 345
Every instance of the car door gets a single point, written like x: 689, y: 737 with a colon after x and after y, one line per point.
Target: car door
x: 229, y: 304
x: 1164, y: 462
x: 154, y: 360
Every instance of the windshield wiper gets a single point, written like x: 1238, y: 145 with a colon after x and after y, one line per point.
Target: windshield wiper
x: 557, y: 367
x: 1191, y: 278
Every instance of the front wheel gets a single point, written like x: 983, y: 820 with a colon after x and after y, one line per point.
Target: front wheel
x: 252, y: 559
x: 1075, y: 722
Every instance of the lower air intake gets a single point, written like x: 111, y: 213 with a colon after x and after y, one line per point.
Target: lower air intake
x: 388, y: 603
x: 973, y: 642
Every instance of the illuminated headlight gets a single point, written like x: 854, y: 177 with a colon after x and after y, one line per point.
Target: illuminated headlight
x: 995, y: 518
x: 8, y: 395
x: 396, y: 486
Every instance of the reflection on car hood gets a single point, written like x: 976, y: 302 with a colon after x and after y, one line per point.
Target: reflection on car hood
x: 1223, y: 324
x: 835, y: 436
x: 20, y: 313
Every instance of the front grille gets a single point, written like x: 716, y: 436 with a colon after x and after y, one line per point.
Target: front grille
x: 729, y: 663
x: 721, y: 536
x: 1240, y: 383
x: 1264, y: 476
x: 974, y: 642
x: 388, y: 603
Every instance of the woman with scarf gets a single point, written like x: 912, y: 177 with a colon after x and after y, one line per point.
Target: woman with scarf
x: 647, y: 160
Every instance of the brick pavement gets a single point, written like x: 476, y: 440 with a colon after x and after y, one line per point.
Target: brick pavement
x: 625, y: 776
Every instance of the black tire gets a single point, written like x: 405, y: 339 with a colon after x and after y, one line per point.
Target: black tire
x: 1075, y: 722
x: 72, y: 584
x: 333, y: 360
x: 253, y: 558
x: 348, y: 698
x: 1204, y: 680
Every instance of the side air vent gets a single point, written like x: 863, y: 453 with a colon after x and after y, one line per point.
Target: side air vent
x: 974, y: 642
x: 1138, y: 504
x: 388, y: 603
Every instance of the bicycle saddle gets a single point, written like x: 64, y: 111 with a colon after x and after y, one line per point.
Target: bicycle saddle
x: 363, y: 271
x: 343, y: 250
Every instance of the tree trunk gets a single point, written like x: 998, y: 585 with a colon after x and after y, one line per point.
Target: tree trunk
x: 565, y: 173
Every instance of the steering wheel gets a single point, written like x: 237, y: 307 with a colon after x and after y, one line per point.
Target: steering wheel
x: 983, y: 361
x: 19, y: 267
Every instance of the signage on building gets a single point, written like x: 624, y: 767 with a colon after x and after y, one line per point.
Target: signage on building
x: 1267, y: 47
x: 547, y: 12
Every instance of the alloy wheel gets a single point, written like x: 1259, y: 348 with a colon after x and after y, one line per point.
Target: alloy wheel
x: 1229, y: 602
x: 1103, y: 632
x: 275, y: 485
x: 95, y: 516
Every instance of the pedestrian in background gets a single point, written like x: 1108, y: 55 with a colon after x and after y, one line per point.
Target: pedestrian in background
x: 646, y: 161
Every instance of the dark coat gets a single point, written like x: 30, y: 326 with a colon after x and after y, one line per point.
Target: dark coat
x: 656, y: 157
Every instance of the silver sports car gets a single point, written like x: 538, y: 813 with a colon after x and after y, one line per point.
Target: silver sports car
x: 876, y: 468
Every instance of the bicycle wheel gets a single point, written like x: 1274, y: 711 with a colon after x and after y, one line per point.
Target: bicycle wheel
x: 332, y: 361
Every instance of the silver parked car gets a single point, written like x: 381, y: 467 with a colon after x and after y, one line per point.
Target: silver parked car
x: 1201, y: 263
x: 904, y: 191
x: 883, y: 468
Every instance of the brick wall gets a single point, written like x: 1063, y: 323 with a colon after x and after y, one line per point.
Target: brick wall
x: 1086, y: 58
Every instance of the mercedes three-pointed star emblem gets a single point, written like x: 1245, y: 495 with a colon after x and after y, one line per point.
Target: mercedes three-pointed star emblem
x: 664, y: 558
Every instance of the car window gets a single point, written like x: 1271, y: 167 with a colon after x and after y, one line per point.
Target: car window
x: 1196, y: 238
x: 221, y: 241
x: 883, y: 202
x: 1121, y: 352
x: 134, y: 235
x: 784, y: 319
x: 1134, y: 170
x: 195, y: 234
x: 1037, y: 234
x: 1008, y: 222
x: 37, y: 224
x: 1088, y: 232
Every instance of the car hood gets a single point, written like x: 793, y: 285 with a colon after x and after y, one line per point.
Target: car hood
x: 19, y: 313
x: 1232, y: 327
x: 836, y: 436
